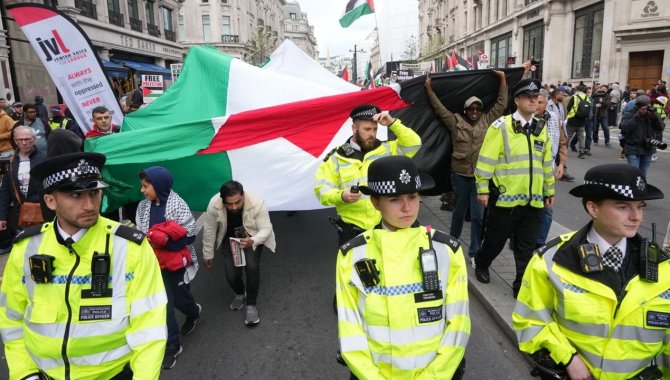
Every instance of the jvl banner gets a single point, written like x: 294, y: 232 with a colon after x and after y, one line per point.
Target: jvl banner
x: 68, y: 56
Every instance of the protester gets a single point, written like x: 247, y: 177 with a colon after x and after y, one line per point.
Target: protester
x: 170, y: 228
x: 236, y: 213
x: 102, y: 123
x: 30, y: 119
x: 81, y: 296
x: 601, y: 105
x: 387, y: 301
x: 579, y: 110
x: 17, y: 111
x: 555, y: 105
x: 588, y: 309
x: 4, y: 106
x: 615, y: 96
x: 6, y: 126
x: 42, y: 111
x: 467, y: 131
x: 515, y: 180
x: 641, y: 135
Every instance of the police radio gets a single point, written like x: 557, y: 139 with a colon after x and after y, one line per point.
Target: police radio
x: 100, y: 264
x: 428, y: 262
x: 649, y: 257
x: 590, y: 259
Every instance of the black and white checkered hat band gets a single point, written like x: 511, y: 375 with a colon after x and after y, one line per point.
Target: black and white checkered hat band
x: 69, y: 173
x: 626, y: 191
x: 383, y: 187
x: 370, y: 112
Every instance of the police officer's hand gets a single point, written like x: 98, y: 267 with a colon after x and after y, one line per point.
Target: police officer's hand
x: 483, y: 199
x: 577, y: 370
x: 549, y: 201
x: 383, y: 118
x: 209, y: 263
x: 350, y: 197
x: 3, y: 225
x: 246, y: 242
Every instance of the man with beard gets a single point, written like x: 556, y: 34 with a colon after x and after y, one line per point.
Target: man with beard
x: 241, y: 215
x: 345, y: 168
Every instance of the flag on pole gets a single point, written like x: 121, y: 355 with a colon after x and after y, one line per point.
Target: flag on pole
x: 354, y: 10
x: 345, y: 74
x: 369, y: 76
x: 432, y: 68
x: 69, y: 57
x: 454, y: 61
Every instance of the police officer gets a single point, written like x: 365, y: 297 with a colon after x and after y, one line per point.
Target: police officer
x: 58, y: 120
x: 592, y: 303
x: 345, y: 167
x: 515, y: 180
x: 82, y: 296
x: 401, y: 287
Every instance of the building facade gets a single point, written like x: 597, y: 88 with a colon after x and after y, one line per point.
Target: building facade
x: 298, y: 30
x: 132, y: 38
x: 246, y: 29
x: 626, y: 41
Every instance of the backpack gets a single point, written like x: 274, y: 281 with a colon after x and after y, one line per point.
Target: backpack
x: 583, y: 108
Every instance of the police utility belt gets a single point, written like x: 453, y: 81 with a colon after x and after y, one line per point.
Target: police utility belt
x: 369, y: 274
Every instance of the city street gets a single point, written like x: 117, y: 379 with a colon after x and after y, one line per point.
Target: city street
x: 296, y: 338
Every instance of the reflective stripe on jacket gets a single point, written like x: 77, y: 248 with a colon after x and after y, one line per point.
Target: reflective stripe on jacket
x: 55, y: 328
x: 520, y: 165
x: 339, y: 173
x: 384, y: 331
x: 567, y: 312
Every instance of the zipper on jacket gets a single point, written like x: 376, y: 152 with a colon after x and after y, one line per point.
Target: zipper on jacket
x: 622, y: 292
x: 530, y: 170
x: 69, y: 308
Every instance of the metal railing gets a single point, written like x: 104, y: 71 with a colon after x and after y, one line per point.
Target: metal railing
x: 170, y: 35
x: 153, y: 30
x: 135, y: 24
x: 230, y: 38
x: 87, y: 8
x: 116, y: 18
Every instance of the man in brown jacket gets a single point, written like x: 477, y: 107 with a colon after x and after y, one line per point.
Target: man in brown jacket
x: 467, y: 134
x: 6, y: 125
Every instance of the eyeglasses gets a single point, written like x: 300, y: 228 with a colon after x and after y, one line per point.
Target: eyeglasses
x: 473, y: 109
x: 24, y: 140
x: 31, y: 111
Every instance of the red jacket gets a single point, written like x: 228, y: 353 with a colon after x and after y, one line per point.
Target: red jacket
x: 159, y: 236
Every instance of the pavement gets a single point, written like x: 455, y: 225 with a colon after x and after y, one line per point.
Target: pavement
x: 496, y: 296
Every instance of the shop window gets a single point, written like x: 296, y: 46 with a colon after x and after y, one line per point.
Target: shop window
x: 588, y: 40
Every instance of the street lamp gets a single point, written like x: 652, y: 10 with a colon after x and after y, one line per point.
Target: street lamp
x: 355, y: 68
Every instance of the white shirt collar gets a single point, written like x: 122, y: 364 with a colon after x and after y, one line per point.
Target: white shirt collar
x: 352, y: 142
x: 603, y: 245
x: 78, y: 235
x: 517, y: 116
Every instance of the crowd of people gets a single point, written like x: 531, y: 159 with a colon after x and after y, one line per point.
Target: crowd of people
x: 401, y: 297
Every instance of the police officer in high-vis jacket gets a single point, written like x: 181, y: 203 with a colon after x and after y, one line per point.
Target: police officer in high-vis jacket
x: 346, y: 166
x: 595, y: 303
x: 82, y: 296
x: 401, y: 288
x: 515, y: 181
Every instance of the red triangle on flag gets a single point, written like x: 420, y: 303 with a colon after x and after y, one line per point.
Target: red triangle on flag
x: 145, y: 91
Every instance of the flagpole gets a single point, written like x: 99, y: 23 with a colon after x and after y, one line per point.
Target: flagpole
x: 377, y: 37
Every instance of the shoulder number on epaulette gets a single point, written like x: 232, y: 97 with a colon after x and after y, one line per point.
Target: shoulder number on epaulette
x: 128, y: 233
x: 28, y: 232
x: 499, y: 123
x: 551, y: 243
x: 447, y: 239
x: 353, y: 243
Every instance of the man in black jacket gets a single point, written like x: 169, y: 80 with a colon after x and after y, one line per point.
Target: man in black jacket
x: 642, y: 135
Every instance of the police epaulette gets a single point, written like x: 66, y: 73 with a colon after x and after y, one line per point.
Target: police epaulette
x: 445, y: 238
x: 551, y: 243
x: 498, y: 122
x: 329, y: 154
x: 353, y: 243
x: 28, y: 232
x: 128, y: 233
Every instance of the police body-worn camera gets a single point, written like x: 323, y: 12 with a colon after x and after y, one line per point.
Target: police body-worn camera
x: 590, y: 259
x: 41, y: 268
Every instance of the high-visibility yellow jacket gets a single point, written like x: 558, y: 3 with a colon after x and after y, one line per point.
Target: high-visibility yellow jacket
x: 55, y: 328
x: 345, y: 167
x: 565, y: 311
x: 391, y: 330
x: 660, y: 111
x: 519, y: 164
x: 58, y: 124
x: 574, y: 103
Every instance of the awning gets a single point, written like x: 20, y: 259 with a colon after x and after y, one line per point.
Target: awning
x: 114, y: 69
x: 145, y: 67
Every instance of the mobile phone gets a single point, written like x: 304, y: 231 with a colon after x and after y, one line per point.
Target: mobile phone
x: 240, y: 232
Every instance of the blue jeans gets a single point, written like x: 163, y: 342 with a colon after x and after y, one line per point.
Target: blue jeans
x: 545, y: 223
x: 465, y: 193
x: 640, y: 161
x: 603, y: 123
x: 589, y: 134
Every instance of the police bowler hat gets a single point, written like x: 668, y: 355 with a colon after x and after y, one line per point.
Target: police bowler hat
x: 617, y: 182
x: 527, y: 87
x: 364, y: 112
x: 71, y: 172
x: 395, y: 175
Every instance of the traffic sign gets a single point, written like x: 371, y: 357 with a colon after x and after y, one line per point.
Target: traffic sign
x: 533, y: 68
x: 483, y: 57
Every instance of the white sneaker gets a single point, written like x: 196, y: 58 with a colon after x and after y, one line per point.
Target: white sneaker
x: 252, y: 317
x: 472, y: 262
x: 654, y: 157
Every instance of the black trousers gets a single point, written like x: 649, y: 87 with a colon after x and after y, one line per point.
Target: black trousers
x: 252, y: 270
x: 502, y: 223
x: 179, y: 297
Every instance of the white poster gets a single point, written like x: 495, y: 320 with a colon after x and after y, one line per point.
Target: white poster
x: 152, y: 87
x: 68, y: 56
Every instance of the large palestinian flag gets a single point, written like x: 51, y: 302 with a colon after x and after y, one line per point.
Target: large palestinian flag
x: 354, y: 10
